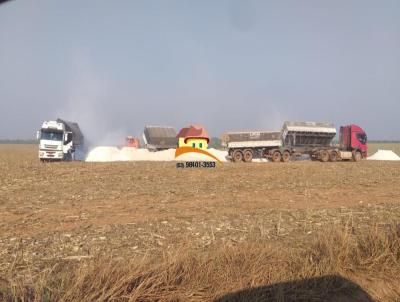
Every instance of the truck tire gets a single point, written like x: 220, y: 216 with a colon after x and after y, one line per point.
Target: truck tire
x: 286, y: 156
x: 357, y: 156
x: 247, y: 155
x: 68, y: 157
x: 276, y: 156
x: 333, y: 156
x: 324, y: 156
x: 237, y: 156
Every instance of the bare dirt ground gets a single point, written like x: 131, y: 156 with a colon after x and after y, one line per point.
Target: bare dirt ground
x: 69, y: 212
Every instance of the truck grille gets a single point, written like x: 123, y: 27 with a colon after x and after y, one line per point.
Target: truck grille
x: 50, y: 146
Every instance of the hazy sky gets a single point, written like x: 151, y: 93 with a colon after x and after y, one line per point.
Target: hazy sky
x: 114, y: 66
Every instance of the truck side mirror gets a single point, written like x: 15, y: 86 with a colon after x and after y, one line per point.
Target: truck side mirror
x: 66, y: 137
x: 38, y: 135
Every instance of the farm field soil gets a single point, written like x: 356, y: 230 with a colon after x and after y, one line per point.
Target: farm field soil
x: 62, y: 224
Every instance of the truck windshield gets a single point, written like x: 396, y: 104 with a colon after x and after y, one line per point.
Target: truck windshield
x: 52, y: 136
x: 362, y: 138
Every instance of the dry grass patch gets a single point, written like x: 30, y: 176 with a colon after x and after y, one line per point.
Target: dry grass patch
x: 335, y: 266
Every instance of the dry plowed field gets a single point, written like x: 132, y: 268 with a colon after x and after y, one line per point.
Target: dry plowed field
x: 147, y: 231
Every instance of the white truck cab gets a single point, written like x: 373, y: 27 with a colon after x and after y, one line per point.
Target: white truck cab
x: 55, y: 143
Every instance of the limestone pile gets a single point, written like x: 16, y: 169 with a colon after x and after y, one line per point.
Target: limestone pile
x: 110, y: 154
x: 384, y: 155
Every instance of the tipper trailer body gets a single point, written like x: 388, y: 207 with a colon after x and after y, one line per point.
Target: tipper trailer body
x: 297, y: 139
x: 60, y: 140
x: 244, y: 146
x: 158, y: 138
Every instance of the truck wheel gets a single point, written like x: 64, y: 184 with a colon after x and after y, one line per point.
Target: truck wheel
x: 357, y: 156
x: 286, y: 156
x: 333, y: 156
x: 237, y: 156
x: 247, y: 155
x: 68, y: 157
x: 324, y: 156
x: 276, y: 156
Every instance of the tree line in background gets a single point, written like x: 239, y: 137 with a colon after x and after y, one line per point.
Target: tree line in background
x: 215, y: 142
x: 18, y: 141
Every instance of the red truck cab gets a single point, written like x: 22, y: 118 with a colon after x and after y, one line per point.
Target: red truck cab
x: 353, y: 138
x: 132, y: 142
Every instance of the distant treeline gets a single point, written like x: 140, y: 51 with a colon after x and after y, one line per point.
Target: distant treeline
x: 383, y: 142
x: 215, y: 142
x: 18, y: 141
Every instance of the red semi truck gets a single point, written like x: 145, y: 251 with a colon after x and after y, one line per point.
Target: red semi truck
x: 297, y: 139
x: 353, y: 138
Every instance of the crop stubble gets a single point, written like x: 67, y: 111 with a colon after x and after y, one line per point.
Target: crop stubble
x: 62, y: 212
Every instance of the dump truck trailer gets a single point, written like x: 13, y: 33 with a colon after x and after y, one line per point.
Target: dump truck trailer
x: 305, y: 138
x: 60, y: 140
x: 158, y: 138
x: 244, y: 146
x: 301, y: 138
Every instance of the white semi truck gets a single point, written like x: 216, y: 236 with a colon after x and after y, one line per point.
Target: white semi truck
x: 60, y: 140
